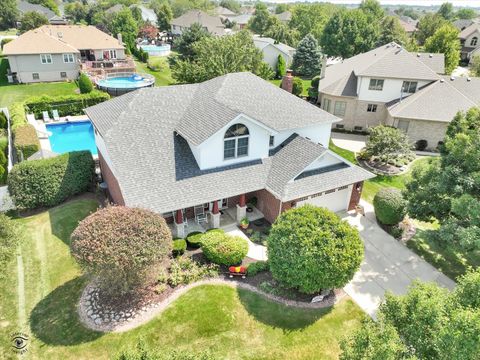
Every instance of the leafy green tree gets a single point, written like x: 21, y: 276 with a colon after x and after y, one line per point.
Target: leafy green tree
x: 261, y: 20
x: 164, y: 16
x: 386, y: 143
x: 307, y: 58
x: 392, y: 30
x: 280, y: 8
x: 427, y: 26
x: 283, y: 34
x: 124, y: 23
x: 51, y: 4
x: 281, y: 67
x: 304, y: 249
x: 446, y: 11
x: 180, y: 7
x: 8, y: 14
x: 348, y: 33
x: 137, y: 15
x: 77, y: 11
x: 32, y: 20
x: 311, y: 18
x: 466, y: 13
x: 407, y: 11
x: 445, y: 40
x: 184, y: 43
x: 372, y: 9
x: 232, y: 5
x: 215, y: 56
x: 467, y: 292
x: 265, y: 71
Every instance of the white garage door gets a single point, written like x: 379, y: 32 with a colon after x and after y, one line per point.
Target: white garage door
x: 334, y: 201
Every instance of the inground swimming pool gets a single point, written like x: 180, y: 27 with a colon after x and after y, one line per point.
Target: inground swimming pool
x: 156, y: 50
x: 118, y: 85
x: 72, y: 136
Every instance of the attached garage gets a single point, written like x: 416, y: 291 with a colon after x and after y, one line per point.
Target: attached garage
x: 334, y: 200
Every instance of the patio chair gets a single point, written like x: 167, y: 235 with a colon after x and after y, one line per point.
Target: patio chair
x: 46, y: 117
x: 56, y: 117
x: 200, y: 215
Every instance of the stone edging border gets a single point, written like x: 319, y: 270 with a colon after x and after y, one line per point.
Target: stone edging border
x: 156, y: 309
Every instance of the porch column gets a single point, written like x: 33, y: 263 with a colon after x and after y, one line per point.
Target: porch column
x: 215, y: 215
x: 179, y: 227
x: 241, y: 208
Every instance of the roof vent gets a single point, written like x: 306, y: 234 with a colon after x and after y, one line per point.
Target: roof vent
x: 418, y: 54
x: 442, y: 80
x: 469, y: 78
x: 452, y: 78
x: 60, y: 35
x: 430, y: 55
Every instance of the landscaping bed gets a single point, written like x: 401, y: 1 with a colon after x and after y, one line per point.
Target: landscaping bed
x: 257, y: 231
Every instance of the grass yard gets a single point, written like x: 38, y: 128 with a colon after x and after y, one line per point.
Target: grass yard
x: 162, y: 78
x: 306, y: 85
x: 231, y: 324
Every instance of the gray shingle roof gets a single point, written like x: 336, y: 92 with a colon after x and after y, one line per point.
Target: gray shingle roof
x: 465, y: 33
x: 387, y: 61
x: 25, y: 6
x: 213, y: 23
x: 156, y: 169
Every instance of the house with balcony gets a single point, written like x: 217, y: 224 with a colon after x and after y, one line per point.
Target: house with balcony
x: 59, y: 52
x: 199, y: 153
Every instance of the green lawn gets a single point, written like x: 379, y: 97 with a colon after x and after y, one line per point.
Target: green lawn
x: 231, y: 324
x: 306, y: 85
x: 162, y: 78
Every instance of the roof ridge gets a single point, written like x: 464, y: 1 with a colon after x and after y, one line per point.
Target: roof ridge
x: 461, y: 93
x: 421, y: 62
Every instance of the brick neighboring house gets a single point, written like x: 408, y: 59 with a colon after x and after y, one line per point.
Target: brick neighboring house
x: 392, y: 86
x: 217, y: 145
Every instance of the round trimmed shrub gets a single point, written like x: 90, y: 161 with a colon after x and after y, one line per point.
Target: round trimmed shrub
x: 310, y: 249
x: 390, y: 206
x: 122, y: 248
x: 179, y: 247
x: 224, y: 249
x: 297, y: 87
x: 85, y: 84
x: 194, y: 239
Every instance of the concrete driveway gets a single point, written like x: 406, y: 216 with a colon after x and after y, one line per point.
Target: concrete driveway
x: 350, y: 142
x: 388, y: 265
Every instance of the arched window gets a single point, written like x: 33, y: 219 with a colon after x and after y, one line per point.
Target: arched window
x: 474, y: 41
x: 235, y: 143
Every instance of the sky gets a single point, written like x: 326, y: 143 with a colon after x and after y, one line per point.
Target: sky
x: 460, y: 3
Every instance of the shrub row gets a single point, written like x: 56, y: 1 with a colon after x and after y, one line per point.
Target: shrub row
x: 257, y: 267
x: 140, y: 54
x: 25, y: 141
x: 17, y: 115
x: 65, y: 104
x: 49, y: 182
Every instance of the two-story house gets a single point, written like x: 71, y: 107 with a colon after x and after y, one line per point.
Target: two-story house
x: 216, y: 145
x: 469, y: 41
x: 59, y: 52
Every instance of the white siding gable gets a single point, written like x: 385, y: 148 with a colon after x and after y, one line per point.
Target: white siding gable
x: 392, y: 89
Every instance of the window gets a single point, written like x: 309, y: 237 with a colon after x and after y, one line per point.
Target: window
x: 474, y: 41
x: 110, y: 54
x: 63, y: 74
x: 376, y: 84
x: 46, y: 58
x: 326, y: 104
x: 409, y: 87
x: 272, y: 140
x: 235, y: 142
x: 372, y: 108
x: 340, y: 107
x: 36, y: 76
x: 358, y: 128
x: 68, y: 58
x: 340, y: 126
x: 403, y: 125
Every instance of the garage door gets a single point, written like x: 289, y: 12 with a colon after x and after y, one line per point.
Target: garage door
x: 334, y: 201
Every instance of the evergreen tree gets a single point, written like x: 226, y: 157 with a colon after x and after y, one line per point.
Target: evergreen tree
x: 164, y: 16
x: 281, y: 67
x: 307, y: 58
x: 184, y: 43
x: 392, y: 30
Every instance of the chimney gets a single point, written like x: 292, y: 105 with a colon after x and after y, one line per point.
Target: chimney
x: 287, y: 81
x: 119, y: 37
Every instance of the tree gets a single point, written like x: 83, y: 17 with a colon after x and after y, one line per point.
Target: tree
x: 392, y: 31
x: 122, y: 247
x: 280, y: 8
x: 77, y: 11
x: 387, y: 143
x: 466, y: 14
x: 32, y: 20
x: 307, y: 58
x: 51, y: 4
x: 261, y: 20
x: 390, y: 207
x: 348, y: 33
x: 304, y: 250
x: 446, y: 11
x: 232, y: 5
x: 124, y: 23
x: 372, y: 9
x: 216, y: 56
x: 265, y: 71
x: 475, y: 65
x: 8, y: 14
x: 311, y: 18
x: 164, y: 16
x: 445, y: 40
x: 85, y: 84
x: 281, y: 33
x: 297, y: 86
x: 281, y: 69
x: 148, y: 31
x: 427, y: 26
x: 184, y: 43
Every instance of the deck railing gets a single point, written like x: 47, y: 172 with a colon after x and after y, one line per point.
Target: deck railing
x: 108, y: 64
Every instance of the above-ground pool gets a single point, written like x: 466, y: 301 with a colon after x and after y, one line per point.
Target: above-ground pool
x: 156, y: 50
x: 72, y: 136
x: 123, y: 83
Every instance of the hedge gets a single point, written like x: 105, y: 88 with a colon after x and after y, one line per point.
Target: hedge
x: 65, y: 104
x: 257, y: 267
x: 25, y: 141
x: 17, y: 115
x: 3, y: 121
x: 224, y: 249
x: 390, y: 206
x: 194, y: 239
x: 179, y: 246
x: 48, y: 182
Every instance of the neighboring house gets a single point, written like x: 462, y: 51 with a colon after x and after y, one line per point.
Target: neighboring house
x: 224, y: 13
x: 114, y: 9
x: 271, y: 50
x: 462, y: 24
x: 390, y: 85
x: 284, y: 17
x: 213, y: 24
x: 54, y: 19
x: 469, y: 40
x: 408, y: 24
x: 217, y: 145
x: 147, y: 14
x: 58, y: 52
x: 241, y: 20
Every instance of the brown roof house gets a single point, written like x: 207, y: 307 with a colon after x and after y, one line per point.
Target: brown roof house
x: 212, y: 24
x: 58, y: 52
x: 199, y: 153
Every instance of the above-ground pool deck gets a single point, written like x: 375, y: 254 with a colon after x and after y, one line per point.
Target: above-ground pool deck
x: 122, y: 83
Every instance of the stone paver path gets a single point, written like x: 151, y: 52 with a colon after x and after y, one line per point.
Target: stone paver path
x: 388, y: 265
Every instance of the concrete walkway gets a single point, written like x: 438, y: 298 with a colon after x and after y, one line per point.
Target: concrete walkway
x: 388, y: 265
x: 255, y: 251
x: 350, y: 142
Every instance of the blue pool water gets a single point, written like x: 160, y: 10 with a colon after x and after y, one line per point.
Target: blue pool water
x: 72, y: 137
x: 130, y: 82
x: 155, y: 50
